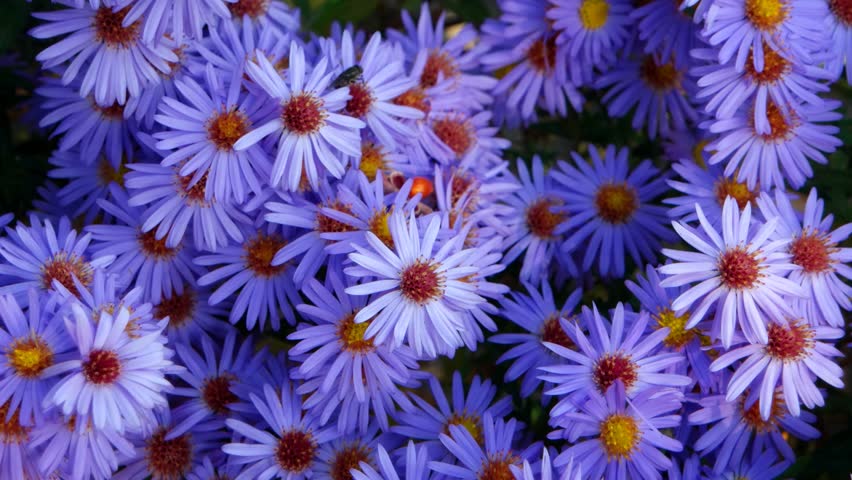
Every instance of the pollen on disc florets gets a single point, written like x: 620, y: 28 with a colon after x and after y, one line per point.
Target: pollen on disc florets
x: 620, y: 436
x: 420, y: 282
x: 766, y: 15
x: 456, y: 132
x: 168, y: 459
x: 542, y: 54
x: 541, y: 218
x: 11, y: 430
x: 552, y: 331
x: 751, y: 414
x: 470, y: 421
x: 661, y: 77
x: 259, y: 252
x: 226, y: 127
x: 498, y: 467
x: 729, y: 187
x: 217, y: 395
x: 303, y: 114
x: 775, y: 66
x: 594, y: 14
x: 295, y: 451
x: 110, y: 31
x: 439, y: 64
x: 352, y: 335
x: 348, y: 457
x: 614, y: 366
x: 193, y: 193
x: 812, y: 251
x: 154, y: 247
x: 179, y: 307
x: 103, y: 367
x: 252, y: 8
x: 360, y: 101
x: 738, y: 268
x: 678, y: 335
x: 29, y: 356
x: 63, y: 268
x: 616, y: 202
x: 789, y: 342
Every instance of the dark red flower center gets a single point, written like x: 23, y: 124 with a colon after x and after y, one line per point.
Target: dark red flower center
x: 225, y: 128
x: 168, y: 459
x: 326, y: 224
x: 616, y: 202
x: 108, y: 28
x: 302, y: 114
x: 217, y: 395
x: 438, y: 64
x: 811, y: 252
x: 252, y: 8
x: 455, y: 132
x: 193, y: 192
x: 360, y: 101
x: 295, y: 451
x: 659, y: 76
x: 421, y: 282
x: 552, y: 332
x: 738, y: 268
x: 498, y: 467
x: 11, y: 430
x: 842, y: 9
x: 347, y: 458
x: 112, y: 112
x: 614, y: 366
x: 153, y: 247
x: 259, y: 253
x: 102, y: 367
x: 63, y: 268
x: 541, y: 219
x: 542, y: 54
x: 179, y: 307
x: 789, y: 342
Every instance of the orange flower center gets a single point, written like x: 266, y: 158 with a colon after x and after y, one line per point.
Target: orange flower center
x: 225, y: 128
x: 326, y: 224
x: 728, y: 187
x: 438, y: 64
x: 259, y: 253
x: 414, y: 98
x: 789, y: 342
x: 811, y: 252
x: 455, y: 132
x: 108, y: 28
x: 616, y: 203
x: 738, y: 268
x: 63, y: 268
x: 780, y: 125
x: 498, y: 467
x: 541, y: 220
x: 155, y: 248
x: 420, y: 282
x: 252, y: 8
x: 11, y: 430
x: 302, y: 114
x: 766, y: 15
x: 751, y: 415
x: 193, y: 193
x: 774, y: 66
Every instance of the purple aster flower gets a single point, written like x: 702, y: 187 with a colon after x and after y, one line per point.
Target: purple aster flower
x: 416, y: 465
x: 610, y: 211
x: 117, y: 378
x: 141, y: 259
x: 308, y: 127
x: 214, y: 381
x: 31, y: 342
x: 291, y: 450
x: 740, y: 273
x: 659, y: 90
x: 425, y: 291
x: 467, y: 139
x: 627, y: 438
x: 39, y: 255
x: 692, y: 342
x: 785, y: 79
x: 839, y: 28
x: 470, y: 411
x: 277, y: 15
x: 162, y: 455
x: 666, y: 31
x: 144, y: 107
x: 767, y: 466
x: 266, y: 291
x: 81, y: 122
x: 794, y: 357
x: 537, y: 212
x: 178, y: 19
x: 75, y: 450
x: 814, y: 248
x: 16, y: 458
x: 178, y: 203
x: 336, y: 459
x: 117, y: 64
x: 87, y: 182
x: 545, y: 323
x: 593, y: 30
x: 190, y: 314
x: 492, y: 456
x: 371, y: 96
x: 611, y: 355
x: 739, y: 432
x: 339, y: 361
x: 201, y: 130
x: 784, y: 152
x: 707, y: 187
x: 740, y: 27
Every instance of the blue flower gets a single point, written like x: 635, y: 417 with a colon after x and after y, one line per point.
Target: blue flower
x: 610, y: 210
x: 312, y: 137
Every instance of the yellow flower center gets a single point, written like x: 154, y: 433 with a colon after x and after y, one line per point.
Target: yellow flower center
x: 766, y: 14
x: 29, y: 356
x: 372, y: 160
x: 678, y: 335
x: 619, y: 435
x: 469, y: 422
x: 379, y: 227
x: 594, y: 13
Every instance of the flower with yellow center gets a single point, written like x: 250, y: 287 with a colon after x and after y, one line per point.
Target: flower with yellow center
x: 619, y: 436
x: 594, y: 13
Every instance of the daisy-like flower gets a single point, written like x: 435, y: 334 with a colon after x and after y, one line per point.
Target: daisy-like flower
x: 467, y: 139
x: 593, y: 30
x: 86, y: 129
x: 16, y: 458
x: 291, y: 450
x: 424, y: 290
x: 371, y: 96
x: 175, y: 18
x: 740, y: 274
x: 190, y: 314
x: 739, y: 432
x: 691, y: 341
x: 666, y: 30
x: 94, y: 452
x: 141, y: 259
x: 659, y: 90
x: 610, y: 356
x: 786, y: 79
x: 765, y: 467
x: 627, y: 438
x: 839, y: 24
x: 537, y: 213
x: 213, y: 381
x: 340, y: 456
x: 31, y: 342
x: 740, y: 27
x: 416, y: 465
x: 794, y: 357
x: 814, y: 248
x: 162, y: 455
x: 781, y: 154
x: 490, y: 457
x: 116, y: 379
x: 610, y: 209
x: 266, y: 291
x: 313, y: 137
x: 338, y: 360
x: 538, y: 315
x: 267, y: 15
x: 201, y: 130
x: 87, y: 183
x: 177, y: 203
x: 39, y: 255
x: 707, y: 187
x: 470, y: 411
x: 116, y: 62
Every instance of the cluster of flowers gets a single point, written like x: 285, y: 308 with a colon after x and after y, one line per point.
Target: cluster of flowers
x: 229, y: 172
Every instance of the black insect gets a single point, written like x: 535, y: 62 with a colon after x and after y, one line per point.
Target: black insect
x: 348, y: 77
